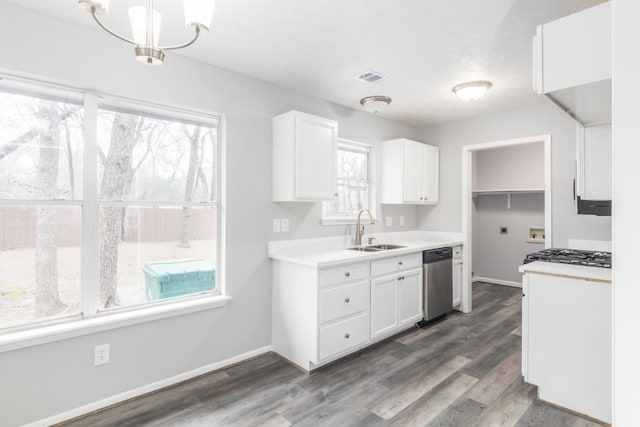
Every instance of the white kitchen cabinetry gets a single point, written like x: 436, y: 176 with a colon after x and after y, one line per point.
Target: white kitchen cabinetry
x: 396, y: 294
x: 304, y: 158
x: 409, y: 172
x: 457, y: 275
x: 322, y: 314
x: 566, y: 347
x: 594, y: 163
x: 572, y: 59
x: 384, y: 297
x: 319, y: 314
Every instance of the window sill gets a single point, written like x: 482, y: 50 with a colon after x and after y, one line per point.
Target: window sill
x: 105, y: 322
x: 344, y: 221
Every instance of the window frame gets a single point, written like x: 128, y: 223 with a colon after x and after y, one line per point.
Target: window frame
x: 90, y: 318
x: 328, y: 219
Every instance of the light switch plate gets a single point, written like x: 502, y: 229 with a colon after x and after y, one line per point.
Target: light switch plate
x: 277, y: 225
x: 284, y: 225
x: 401, y: 221
x: 388, y: 221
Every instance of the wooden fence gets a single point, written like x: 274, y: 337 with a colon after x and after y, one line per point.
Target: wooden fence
x: 18, y: 225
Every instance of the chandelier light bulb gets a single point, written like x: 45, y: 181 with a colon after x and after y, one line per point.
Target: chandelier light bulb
x: 146, y: 24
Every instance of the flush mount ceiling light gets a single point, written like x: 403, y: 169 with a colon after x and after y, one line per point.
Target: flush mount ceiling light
x: 375, y: 104
x: 472, y: 91
x: 145, y: 25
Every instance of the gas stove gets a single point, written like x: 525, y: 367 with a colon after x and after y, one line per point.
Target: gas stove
x: 571, y: 256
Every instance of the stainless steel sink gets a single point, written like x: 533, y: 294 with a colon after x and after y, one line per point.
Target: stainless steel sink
x: 386, y: 247
x: 375, y: 248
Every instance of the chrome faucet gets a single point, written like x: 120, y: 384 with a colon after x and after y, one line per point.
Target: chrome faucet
x: 360, y: 228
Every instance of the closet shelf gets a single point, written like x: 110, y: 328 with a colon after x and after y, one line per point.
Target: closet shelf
x: 509, y: 191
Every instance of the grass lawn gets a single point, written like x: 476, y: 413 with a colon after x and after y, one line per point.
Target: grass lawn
x: 17, y: 276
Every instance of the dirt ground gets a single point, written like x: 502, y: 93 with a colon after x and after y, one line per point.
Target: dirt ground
x: 17, y: 276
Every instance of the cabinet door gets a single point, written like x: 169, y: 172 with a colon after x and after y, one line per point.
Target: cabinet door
x: 316, y: 142
x: 457, y: 282
x: 576, y: 49
x: 595, y: 163
x: 409, y: 297
x: 412, y: 174
x: 384, y: 306
x: 430, y: 173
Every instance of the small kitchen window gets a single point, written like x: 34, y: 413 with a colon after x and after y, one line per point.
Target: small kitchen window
x: 353, y: 182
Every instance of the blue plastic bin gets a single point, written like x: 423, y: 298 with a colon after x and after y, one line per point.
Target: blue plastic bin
x: 167, y: 279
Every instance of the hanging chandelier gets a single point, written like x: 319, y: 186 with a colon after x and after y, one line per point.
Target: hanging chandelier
x: 145, y: 26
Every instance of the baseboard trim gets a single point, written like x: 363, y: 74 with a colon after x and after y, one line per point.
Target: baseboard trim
x: 149, y: 388
x: 498, y: 282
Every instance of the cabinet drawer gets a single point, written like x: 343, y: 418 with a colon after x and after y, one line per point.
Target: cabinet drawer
x: 343, y: 301
x: 457, y: 252
x: 344, y: 274
x: 392, y: 265
x: 344, y: 335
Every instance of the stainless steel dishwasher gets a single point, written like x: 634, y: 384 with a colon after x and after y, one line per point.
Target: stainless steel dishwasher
x: 437, y: 283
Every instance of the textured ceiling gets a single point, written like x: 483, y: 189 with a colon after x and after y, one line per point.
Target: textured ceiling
x: 316, y: 47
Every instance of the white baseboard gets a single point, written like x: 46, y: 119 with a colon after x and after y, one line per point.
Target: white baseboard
x: 498, y: 282
x: 121, y: 397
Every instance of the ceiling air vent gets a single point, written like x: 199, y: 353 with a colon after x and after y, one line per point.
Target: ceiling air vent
x: 370, y: 77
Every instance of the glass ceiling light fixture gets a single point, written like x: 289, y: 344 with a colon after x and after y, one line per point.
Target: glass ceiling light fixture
x: 375, y: 104
x: 146, y: 22
x: 472, y: 91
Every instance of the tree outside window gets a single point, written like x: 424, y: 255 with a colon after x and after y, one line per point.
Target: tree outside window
x: 353, y: 182
x: 155, y: 198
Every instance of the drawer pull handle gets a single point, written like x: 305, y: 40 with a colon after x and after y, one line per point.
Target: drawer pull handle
x: 346, y: 336
x: 399, y: 262
x: 347, y: 300
x: 401, y: 278
x: 347, y: 274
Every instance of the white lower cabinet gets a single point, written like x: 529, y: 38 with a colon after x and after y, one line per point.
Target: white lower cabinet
x: 566, y: 342
x: 457, y: 282
x: 410, y: 298
x: 343, y: 301
x: 320, y: 315
x: 396, y: 299
x: 384, y: 294
x: 339, y: 337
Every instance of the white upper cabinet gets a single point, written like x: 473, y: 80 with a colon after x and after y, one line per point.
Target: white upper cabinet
x: 572, y: 62
x: 409, y: 172
x: 594, y: 163
x: 304, y: 158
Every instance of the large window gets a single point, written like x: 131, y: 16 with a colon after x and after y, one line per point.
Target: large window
x: 354, y: 182
x: 103, y: 204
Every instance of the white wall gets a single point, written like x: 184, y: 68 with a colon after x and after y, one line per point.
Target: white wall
x: 626, y: 205
x: 538, y: 119
x: 507, y: 250
x: 514, y: 168
x: 40, y: 381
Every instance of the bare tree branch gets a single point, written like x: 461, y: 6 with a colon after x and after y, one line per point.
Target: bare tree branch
x: 12, y: 146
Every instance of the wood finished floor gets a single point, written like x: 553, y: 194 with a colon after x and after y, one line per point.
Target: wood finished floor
x: 463, y: 371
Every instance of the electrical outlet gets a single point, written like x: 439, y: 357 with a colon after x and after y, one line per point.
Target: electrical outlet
x: 284, y: 225
x: 101, y: 355
x: 504, y: 230
x: 401, y: 221
x: 277, y: 225
x: 388, y: 221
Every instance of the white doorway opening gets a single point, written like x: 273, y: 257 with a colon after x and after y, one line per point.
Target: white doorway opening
x: 467, y: 203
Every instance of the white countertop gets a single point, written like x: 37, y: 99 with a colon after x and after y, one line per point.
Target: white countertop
x: 580, y: 272
x: 332, y: 251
